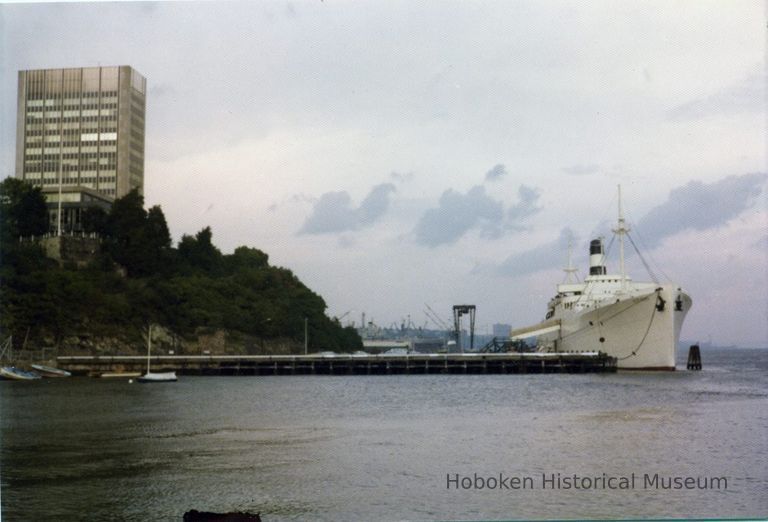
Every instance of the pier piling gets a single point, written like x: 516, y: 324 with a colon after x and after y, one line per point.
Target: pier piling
x: 694, y: 357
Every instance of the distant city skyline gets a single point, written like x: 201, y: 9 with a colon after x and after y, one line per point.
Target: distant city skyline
x: 395, y: 154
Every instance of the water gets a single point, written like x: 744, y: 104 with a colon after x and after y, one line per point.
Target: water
x: 382, y: 447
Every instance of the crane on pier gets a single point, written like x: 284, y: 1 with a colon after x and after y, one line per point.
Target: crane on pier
x: 458, y: 311
x: 432, y: 315
x: 342, y: 316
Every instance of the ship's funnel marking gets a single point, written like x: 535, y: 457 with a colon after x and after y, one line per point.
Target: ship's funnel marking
x: 596, y: 257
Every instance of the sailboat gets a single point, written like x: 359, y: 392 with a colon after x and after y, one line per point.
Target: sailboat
x: 155, y: 377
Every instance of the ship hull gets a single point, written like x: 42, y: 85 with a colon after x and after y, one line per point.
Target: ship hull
x: 641, y: 331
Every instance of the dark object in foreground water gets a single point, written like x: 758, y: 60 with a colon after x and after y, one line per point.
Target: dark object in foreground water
x: 206, y: 516
x: 694, y: 358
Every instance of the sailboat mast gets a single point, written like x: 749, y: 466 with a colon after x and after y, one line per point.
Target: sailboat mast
x: 149, y: 343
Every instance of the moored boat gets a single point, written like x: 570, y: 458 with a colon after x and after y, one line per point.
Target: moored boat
x: 50, y: 371
x: 119, y: 375
x: 150, y: 377
x: 158, y: 377
x: 17, y: 374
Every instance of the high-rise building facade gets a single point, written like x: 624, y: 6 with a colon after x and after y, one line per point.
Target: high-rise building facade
x: 81, y: 127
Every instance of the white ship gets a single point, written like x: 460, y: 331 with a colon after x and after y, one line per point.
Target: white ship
x: 638, y: 323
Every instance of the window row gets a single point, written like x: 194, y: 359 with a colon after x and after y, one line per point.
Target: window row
x: 71, y: 115
x: 71, y: 152
x: 105, y: 138
x: 54, y: 124
x: 34, y: 101
x: 74, y: 127
x: 105, y: 104
x: 102, y: 164
x: 50, y: 117
x: 105, y: 182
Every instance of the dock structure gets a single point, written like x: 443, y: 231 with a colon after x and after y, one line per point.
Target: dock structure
x: 345, y: 364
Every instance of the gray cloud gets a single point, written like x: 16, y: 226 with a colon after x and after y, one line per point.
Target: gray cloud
x: 581, y: 170
x: 696, y: 206
x: 457, y: 214
x: 526, y: 207
x: 374, y: 205
x: 746, y: 96
x: 544, y: 257
x: 700, y: 206
x: 293, y: 199
x: 401, y: 178
x: 158, y: 91
x: 347, y: 241
x: 498, y: 171
x: 334, y: 212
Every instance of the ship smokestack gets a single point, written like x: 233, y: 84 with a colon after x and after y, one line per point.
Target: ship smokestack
x: 596, y: 257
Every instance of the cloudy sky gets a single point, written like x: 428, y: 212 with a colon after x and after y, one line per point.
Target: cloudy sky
x: 394, y: 153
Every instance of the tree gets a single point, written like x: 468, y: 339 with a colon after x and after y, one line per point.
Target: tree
x: 185, y: 290
x: 199, y: 253
x: 125, y: 231
x: 137, y: 239
x: 22, y: 209
x: 157, y: 228
x: 244, y: 258
x: 95, y: 220
x: 160, y: 258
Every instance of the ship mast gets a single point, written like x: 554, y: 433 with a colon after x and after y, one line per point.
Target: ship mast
x: 570, y: 271
x: 621, y: 230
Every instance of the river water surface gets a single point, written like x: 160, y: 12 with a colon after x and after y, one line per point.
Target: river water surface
x: 386, y: 447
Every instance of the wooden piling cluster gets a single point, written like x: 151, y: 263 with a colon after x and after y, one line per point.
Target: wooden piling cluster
x: 694, y: 357
x: 344, y: 364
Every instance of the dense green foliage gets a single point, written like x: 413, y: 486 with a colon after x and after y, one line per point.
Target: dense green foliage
x: 23, y: 210
x: 140, y: 279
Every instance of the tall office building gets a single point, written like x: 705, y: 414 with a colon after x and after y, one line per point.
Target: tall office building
x: 80, y: 133
x: 88, y: 120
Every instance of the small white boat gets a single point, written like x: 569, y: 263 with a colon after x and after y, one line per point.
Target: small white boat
x: 50, y: 371
x: 158, y: 377
x: 119, y: 375
x: 155, y: 377
x: 17, y: 374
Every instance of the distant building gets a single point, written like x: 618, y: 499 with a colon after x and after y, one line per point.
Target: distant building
x: 501, y: 330
x: 74, y: 201
x: 81, y: 129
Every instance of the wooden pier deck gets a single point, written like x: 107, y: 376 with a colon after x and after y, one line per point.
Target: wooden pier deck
x: 345, y: 364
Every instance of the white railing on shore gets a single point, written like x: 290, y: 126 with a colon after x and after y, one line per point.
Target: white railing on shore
x: 33, y: 239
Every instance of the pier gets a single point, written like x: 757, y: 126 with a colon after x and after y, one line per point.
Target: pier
x: 345, y: 364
